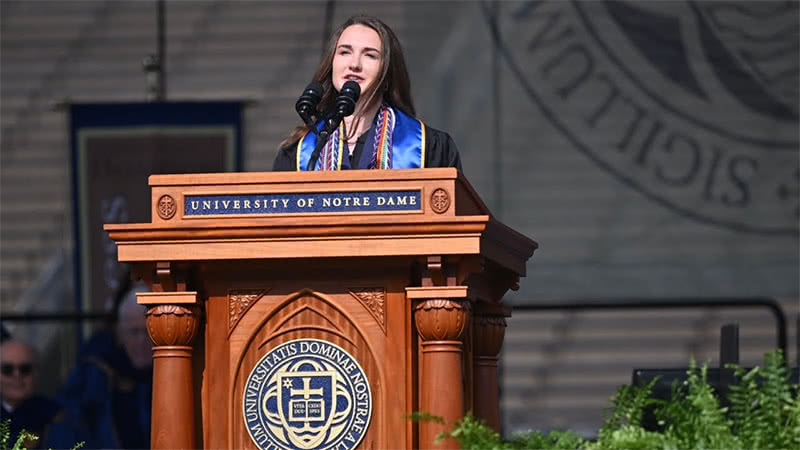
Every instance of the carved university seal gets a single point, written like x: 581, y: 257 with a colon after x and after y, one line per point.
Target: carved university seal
x: 307, y: 394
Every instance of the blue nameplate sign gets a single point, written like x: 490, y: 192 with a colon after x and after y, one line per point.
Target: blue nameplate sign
x: 301, y: 202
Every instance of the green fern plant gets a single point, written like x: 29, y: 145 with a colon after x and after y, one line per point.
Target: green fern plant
x: 763, y: 413
x: 23, y: 437
x: 694, y: 418
x: 623, y: 428
x: 5, y: 436
x: 764, y: 406
x: 555, y: 439
x: 472, y: 434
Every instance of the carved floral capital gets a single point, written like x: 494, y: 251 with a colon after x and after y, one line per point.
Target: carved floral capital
x: 488, y: 332
x: 442, y: 319
x: 173, y: 324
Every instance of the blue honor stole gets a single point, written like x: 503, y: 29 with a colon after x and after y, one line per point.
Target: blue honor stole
x: 395, y: 141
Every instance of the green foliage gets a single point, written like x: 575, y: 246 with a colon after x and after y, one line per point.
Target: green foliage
x: 765, y: 407
x: 694, y: 418
x: 24, y: 436
x: 763, y: 413
x: 473, y: 435
x: 556, y: 439
x: 629, y: 404
x: 425, y: 417
x: 623, y: 425
x: 5, y: 436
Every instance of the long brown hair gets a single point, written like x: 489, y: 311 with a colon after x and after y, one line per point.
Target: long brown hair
x: 393, y: 83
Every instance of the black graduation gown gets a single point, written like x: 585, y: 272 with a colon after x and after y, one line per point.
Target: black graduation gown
x: 33, y: 415
x: 440, y: 151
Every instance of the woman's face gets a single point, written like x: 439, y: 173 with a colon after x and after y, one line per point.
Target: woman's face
x: 357, y: 57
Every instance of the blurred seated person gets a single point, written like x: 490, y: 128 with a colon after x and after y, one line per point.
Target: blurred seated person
x: 107, y: 397
x: 26, y: 410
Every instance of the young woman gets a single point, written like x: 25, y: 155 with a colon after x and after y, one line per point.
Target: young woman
x: 382, y: 133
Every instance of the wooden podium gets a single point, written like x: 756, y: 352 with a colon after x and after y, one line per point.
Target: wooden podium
x: 318, y: 310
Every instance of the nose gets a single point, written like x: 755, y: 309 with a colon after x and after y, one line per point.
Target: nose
x: 355, y: 62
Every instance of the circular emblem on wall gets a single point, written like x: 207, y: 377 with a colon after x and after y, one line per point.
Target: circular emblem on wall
x: 307, y: 394
x: 166, y: 207
x: 692, y: 104
x: 440, y: 201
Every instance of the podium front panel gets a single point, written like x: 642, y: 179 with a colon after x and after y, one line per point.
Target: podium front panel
x: 315, y: 354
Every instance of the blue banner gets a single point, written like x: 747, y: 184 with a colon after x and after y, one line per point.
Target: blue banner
x: 115, y: 148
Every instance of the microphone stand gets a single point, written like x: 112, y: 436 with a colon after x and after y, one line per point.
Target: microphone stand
x: 345, y: 105
x: 330, y: 124
x: 322, y: 138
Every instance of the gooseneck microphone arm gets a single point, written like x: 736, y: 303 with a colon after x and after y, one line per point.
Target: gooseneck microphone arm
x: 345, y: 105
x: 322, y: 138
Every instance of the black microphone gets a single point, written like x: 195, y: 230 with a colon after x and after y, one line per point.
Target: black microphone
x: 346, y: 101
x: 306, y: 105
x: 344, y: 106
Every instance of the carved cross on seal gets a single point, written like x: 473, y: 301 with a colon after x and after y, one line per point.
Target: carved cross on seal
x: 166, y: 207
x: 440, y: 201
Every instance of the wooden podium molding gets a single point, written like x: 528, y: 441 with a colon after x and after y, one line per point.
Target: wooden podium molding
x: 412, y: 292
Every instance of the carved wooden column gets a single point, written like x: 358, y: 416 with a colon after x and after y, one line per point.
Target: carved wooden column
x: 173, y: 319
x: 442, y: 315
x: 488, y: 331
